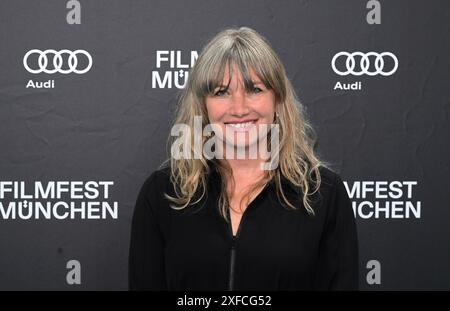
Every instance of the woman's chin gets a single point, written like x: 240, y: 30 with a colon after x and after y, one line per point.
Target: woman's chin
x: 242, y: 145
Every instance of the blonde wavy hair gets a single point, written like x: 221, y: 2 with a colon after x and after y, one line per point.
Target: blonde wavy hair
x: 297, y: 161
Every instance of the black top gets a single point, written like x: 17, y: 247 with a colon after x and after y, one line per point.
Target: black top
x: 275, y: 248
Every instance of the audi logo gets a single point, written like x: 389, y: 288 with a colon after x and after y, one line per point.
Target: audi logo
x: 57, y: 61
x: 364, y: 63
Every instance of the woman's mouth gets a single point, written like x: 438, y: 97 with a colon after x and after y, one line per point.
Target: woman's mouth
x: 241, y: 125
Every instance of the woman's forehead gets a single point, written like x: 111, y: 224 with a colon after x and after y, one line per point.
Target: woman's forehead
x: 236, y: 74
x: 231, y: 73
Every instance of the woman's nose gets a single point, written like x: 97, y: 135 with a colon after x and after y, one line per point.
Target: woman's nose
x: 239, y: 105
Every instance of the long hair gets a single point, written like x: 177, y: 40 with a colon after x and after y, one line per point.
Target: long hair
x: 297, y: 162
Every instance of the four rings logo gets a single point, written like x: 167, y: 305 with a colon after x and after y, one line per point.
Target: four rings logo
x: 365, y: 63
x: 42, y: 61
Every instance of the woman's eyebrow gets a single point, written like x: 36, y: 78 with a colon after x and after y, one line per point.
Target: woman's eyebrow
x: 255, y: 82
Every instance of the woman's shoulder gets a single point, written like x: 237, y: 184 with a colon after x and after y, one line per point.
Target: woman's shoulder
x: 334, y: 188
x: 162, y: 173
x: 157, y: 180
x: 330, y: 184
x: 328, y: 176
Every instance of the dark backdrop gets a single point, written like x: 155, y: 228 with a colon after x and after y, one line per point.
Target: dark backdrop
x: 111, y: 123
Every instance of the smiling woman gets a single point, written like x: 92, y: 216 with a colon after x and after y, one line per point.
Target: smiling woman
x: 205, y: 223
x: 236, y: 107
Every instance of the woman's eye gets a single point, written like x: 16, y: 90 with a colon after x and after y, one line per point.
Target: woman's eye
x: 220, y: 92
x: 223, y: 91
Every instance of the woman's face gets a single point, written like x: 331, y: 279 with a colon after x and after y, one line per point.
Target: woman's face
x: 241, y: 113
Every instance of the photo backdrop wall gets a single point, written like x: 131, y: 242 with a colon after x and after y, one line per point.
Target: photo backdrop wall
x: 87, y: 94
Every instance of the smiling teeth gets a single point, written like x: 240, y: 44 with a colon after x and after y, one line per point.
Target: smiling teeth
x: 240, y: 125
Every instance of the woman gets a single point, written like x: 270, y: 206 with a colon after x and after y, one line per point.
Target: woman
x: 225, y: 223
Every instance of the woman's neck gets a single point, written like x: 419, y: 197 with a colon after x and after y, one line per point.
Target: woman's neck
x: 246, y: 167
